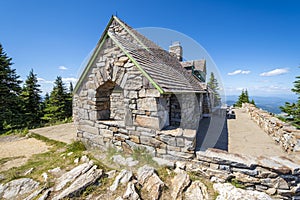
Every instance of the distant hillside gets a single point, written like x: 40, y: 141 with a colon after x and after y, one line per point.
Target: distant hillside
x: 270, y: 104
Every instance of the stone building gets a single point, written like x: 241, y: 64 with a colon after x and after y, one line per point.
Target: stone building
x: 134, y: 94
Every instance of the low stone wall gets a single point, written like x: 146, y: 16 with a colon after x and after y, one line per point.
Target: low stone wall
x: 277, y: 176
x: 175, y: 144
x: 287, y: 136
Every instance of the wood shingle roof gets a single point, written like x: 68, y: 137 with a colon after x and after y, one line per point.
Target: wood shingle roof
x: 163, y: 70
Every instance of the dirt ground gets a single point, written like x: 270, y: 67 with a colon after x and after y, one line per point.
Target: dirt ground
x: 245, y: 137
x: 18, y: 150
x: 64, y: 132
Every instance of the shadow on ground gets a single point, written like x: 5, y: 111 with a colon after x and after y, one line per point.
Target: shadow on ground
x: 213, y: 132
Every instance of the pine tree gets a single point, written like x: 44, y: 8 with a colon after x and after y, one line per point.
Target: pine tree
x: 69, y: 101
x: 243, y: 98
x: 31, y: 100
x: 246, y: 97
x: 10, y: 105
x: 57, y: 109
x: 252, y: 102
x: 214, y: 86
x: 71, y: 89
x: 293, y: 109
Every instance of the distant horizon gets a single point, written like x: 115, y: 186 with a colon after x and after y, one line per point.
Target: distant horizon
x: 264, y: 102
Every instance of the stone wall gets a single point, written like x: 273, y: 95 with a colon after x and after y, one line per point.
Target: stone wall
x: 116, y: 106
x: 276, y: 176
x: 287, y: 136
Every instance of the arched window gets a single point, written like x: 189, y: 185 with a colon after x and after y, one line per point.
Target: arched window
x: 110, y: 102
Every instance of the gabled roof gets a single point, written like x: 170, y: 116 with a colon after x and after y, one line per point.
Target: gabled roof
x: 157, y: 65
x: 197, y: 64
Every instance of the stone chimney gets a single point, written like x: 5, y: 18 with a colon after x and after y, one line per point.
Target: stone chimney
x: 176, y: 50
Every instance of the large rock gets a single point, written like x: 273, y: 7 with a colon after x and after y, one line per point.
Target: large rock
x: 72, y: 175
x: 17, y: 188
x: 228, y: 191
x: 197, y: 190
x: 131, y: 193
x: 150, y: 181
x: 179, y: 183
x: 82, y: 182
x: 123, y: 177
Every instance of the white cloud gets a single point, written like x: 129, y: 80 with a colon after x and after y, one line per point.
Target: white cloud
x: 41, y: 80
x: 70, y: 79
x: 275, y: 72
x: 62, y: 68
x: 239, y: 71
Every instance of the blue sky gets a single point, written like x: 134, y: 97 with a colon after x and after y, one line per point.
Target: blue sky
x: 254, y: 44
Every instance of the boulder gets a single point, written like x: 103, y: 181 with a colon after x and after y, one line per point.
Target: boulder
x: 17, y: 188
x: 123, y: 177
x: 82, y: 182
x: 72, y: 175
x: 131, y: 193
x: 179, y: 183
x: 150, y: 181
x: 197, y: 190
x: 228, y: 191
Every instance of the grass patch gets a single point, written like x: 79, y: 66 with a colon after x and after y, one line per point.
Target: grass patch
x: 165, y: 174
x: 236, y: 183
x: 111, y: 151
x: 50, y: 142
x: 89, y: 190
x: 55, y: 157
x: 76, y: 146
x: 5, y: 160
x: 22, y: 132
x: 143, y: 156
x: 194, y: 176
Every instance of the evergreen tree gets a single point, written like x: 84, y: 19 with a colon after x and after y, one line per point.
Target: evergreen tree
x: 214, y: 86
x: 71, y: 89
x: 47, y: 99
x: 31, y: 100
x: 10, y: 105
x: 243, y: 98
x: 69, y: 101
x: 252, y: 102
x: 57, y: 109
x: 293, y: 109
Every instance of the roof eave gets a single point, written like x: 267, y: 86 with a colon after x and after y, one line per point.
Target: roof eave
x: 94, y: 55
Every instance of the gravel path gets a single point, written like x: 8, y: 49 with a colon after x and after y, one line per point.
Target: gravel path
x: 64, y: 132
x: 246, y: 137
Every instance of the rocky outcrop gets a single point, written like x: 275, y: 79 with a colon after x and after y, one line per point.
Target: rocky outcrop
x: 72, y: 175
x: 123, y: 178
x: 179, y: 183
x: 131, y: 193
x: 287, y: 136
x: 228, y: 191
x: 259, y: 178
x: 197, y: 190
x: 17, y: 188
x: 150, y: 181
x: 82, y: 182
x: 275, y: 175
